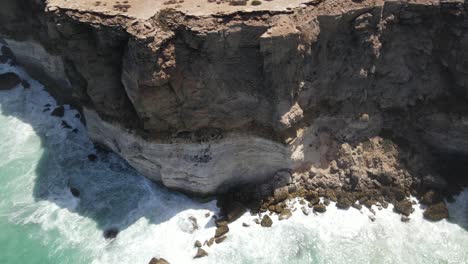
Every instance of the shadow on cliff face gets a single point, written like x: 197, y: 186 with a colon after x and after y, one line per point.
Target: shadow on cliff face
x: 101, y: 186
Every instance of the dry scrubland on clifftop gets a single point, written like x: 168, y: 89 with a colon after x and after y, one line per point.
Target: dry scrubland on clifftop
x: 354, y: 96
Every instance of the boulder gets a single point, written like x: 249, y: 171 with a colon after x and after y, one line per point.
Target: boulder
x: 220, y: 239
x: 200, y: 253
x: 357, y: 206
x: 266, y: 221
x: 281, y: 194
x: 198, y: 244
x: 58, y: 111
x: 92, y: 157
x: 9, y: 81
x: 7, y: 53
x: 285, y: 214
x: 111, y: 233
x: 320, y: 208
x: 405, y: 219
x: 344, y: 203
x: 158, y: 261
x: 210, y: 242
x: 25, y: 84
x: 436, y: 212
x: 404, y: 207
x: 221, y: 222
x: 75, y: 192
x: 221, y: 231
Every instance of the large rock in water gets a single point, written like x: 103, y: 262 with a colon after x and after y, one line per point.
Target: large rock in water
x: 266, y: 221
x: 9, y: 80
x: 206, y: 98
x: 404, y: 207
x: 436, y: 212
x: 158, y: 261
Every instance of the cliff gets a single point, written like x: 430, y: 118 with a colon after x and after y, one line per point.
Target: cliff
x: 204, y: 96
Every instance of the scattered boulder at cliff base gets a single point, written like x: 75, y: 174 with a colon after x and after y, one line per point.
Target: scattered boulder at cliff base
x: 219, y: 240
x: 7, y: 53
x: 320, y: 208
x: 281, y: 194
x: 75, y: 192
x: 404, y: 207
x: 158, y: 261
x: 111, y: 233
x: 9, y: 81
x: 92, y: 157
x: 285, y: 214
x: 58, y: 111
x: 266, y: 221
x: 221, y: 231
x: 200, y: 253
x: 65, y: 125
x: 436, y: 212
x: 25, y: 84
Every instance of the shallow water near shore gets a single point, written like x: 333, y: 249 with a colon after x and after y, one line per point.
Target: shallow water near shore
x: 42, y: 222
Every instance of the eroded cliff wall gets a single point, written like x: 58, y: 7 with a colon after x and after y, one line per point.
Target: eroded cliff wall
x: 206, y: 101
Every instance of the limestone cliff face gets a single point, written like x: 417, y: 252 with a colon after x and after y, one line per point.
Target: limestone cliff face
x: 203, y: 101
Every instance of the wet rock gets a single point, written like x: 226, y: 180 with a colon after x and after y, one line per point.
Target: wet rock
x: 92, y: 157
x: 58, y: 111
x: 330, y: 194
x: 281, y: 194
x: 111, y: 233
x: 25, y: 84
x: 305, y: 210
x: 436, y: 212
x: 221, y: 222
x: 220, y: 239
x: 344, y: 203
x: 233, y: 211
x: 245, y: 225
x: 65, y: 125
x: 326, y: 202
x: 221, y: 231
x: 393, y: 194
x: 75, y: 192
x: 7, y: 53
x: 9, y: 81
x: 285, y: 214
x: 404, y: 207
x: 315, y: 201
x: 405, y: 219
x: 357, y: 206
x: 266, y: 221
x: 369, y: 203
x: 372, y: 218
x: 320, y: 208
x: 158, y: 261
x: 197, y: 244
x: 200, y: 253
x: 431, y: 197
x: 210, y: 242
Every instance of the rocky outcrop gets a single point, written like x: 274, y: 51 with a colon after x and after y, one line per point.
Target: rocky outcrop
x: 348, y: 95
